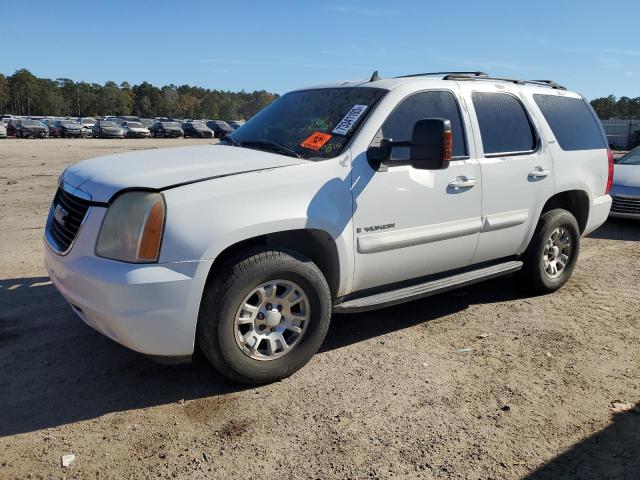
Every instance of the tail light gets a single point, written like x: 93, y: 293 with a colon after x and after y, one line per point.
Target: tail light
x: 610, y: 172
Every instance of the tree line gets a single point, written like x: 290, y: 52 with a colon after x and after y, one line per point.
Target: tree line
x: 612, y: 107
x: 25, y: 94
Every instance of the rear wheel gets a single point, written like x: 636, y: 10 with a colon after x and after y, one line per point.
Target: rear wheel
x: 552, y: 253
x: 264, y: 316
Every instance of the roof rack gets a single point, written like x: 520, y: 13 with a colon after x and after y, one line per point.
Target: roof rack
x: 464, y: 76
x: 475, y: 74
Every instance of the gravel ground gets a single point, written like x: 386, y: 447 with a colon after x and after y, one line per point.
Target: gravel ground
x: 484, y: 382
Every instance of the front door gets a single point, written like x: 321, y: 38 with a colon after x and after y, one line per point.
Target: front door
x: 409, y: 223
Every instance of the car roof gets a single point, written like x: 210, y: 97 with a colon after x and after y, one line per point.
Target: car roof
x: 443, y: 80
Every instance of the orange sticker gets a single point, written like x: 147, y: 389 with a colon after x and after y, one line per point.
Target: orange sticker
x: 316, y: 140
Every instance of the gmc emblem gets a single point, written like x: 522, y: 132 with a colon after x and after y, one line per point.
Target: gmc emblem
x: 60, y: 214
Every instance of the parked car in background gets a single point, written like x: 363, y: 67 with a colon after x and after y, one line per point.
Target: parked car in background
x: 236, y: 124
x: 87, y: 125
x: 625, y: 190
x: 69, y: 128
x: 54, y: 130
x: 220, y: 128
x: 126, y: 118
x: 3, y: 131
x: 148, y: 122
x: 27, y: 128
x: 197, y: 130
x: 107, y: 129
x: 166, y: 130
x: 135, y: 130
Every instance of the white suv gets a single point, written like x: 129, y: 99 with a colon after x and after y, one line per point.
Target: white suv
x: 338, y: 198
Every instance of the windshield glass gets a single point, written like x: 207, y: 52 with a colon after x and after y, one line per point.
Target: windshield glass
x: 88, y: 120
x: 31, y: 123
x: 67, y: 122
x: 170, y: 124
x: 310, y: 123
x: 134, y: 125
x: 631, y: 158
x: 108, y: 124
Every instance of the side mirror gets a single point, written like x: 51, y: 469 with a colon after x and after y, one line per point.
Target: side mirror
x: 431, y: 144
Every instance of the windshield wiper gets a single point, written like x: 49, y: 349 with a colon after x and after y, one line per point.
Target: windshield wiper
x: 274, y: 146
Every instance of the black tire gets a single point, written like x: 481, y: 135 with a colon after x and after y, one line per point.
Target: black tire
x: 533, y: 275
x: 223, y: 296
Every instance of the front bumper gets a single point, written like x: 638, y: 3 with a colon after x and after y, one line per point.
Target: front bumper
x: 149, y: 308
x: 626, y: 202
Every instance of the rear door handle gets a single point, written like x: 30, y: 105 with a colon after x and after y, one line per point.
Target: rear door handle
x: 539, y: 172
x: 462, y: 182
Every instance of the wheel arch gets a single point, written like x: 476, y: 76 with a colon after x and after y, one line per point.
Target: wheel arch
x: 575, y: 201
x: 317, y: 245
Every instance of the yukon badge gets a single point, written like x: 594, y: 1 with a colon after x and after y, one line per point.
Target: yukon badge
x: 374, y: 228
x: 60, y: 214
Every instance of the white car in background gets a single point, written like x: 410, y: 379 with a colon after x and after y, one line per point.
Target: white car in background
x: 626, y: 186
x: 87, y: 125
x: 135, y: 130
x: 344, y: 197
x: 3, y: 130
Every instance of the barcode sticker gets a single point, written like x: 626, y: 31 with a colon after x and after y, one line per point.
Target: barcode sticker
x: 349, y: 119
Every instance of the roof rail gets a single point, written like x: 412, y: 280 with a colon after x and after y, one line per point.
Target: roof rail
x: 551, y: 83
x: 544, y: 83
x: 475, y: 74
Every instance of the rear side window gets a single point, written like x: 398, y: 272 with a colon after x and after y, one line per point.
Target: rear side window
x: 431, y: 104
x: 572, y: 122
x: 504, y: 124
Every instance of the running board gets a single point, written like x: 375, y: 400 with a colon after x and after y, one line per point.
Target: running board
x: 414, y: 292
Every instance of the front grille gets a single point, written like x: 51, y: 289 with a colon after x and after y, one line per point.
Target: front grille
x: 626, y: 205
x: 72, y: 210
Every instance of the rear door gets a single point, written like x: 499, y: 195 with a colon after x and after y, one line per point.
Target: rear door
x: 517, y: 171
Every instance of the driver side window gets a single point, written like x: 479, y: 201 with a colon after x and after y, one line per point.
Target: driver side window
x: 431, y: 104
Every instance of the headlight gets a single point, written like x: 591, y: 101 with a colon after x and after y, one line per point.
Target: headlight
x: 132, y: 228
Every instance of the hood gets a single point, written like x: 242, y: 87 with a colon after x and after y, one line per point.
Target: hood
x: 626, y: 175
x: 102, y: 177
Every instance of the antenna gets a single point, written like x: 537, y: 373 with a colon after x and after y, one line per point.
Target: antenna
x: 375, y: 77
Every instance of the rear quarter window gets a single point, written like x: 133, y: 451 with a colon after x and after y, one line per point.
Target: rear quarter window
x: 572, y: 122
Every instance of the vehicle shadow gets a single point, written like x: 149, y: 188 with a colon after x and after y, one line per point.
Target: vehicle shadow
x: 56, y: 370
x: 618, y: 229
x: 613, y: 453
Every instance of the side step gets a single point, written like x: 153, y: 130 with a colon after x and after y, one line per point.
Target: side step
x: 414, y: 292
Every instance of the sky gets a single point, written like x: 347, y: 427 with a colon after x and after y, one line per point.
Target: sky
x: 589, y: 46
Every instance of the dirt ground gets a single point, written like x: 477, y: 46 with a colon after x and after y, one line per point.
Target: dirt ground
x: 481, y: 383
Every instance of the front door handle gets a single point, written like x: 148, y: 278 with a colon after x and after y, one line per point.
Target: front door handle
x: 539, y: 172
x: 462, y: 182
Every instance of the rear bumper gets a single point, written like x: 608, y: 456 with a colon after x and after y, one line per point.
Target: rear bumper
x: 598, y: 213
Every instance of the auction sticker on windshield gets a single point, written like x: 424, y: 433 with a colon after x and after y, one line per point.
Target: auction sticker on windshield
x: 316, y: 140
x: 349, y: 119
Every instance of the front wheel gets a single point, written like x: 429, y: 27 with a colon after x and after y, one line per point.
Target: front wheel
x: 552, y: 253
x: 264, y: 316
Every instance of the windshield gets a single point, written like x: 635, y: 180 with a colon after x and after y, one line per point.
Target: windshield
x: 134, y: 125
x: 88, y: 120
x: 170, y: 124
x: 310, y: 123
x: 631, y: 158
x: 108, y: 124
x: 31, y: 123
